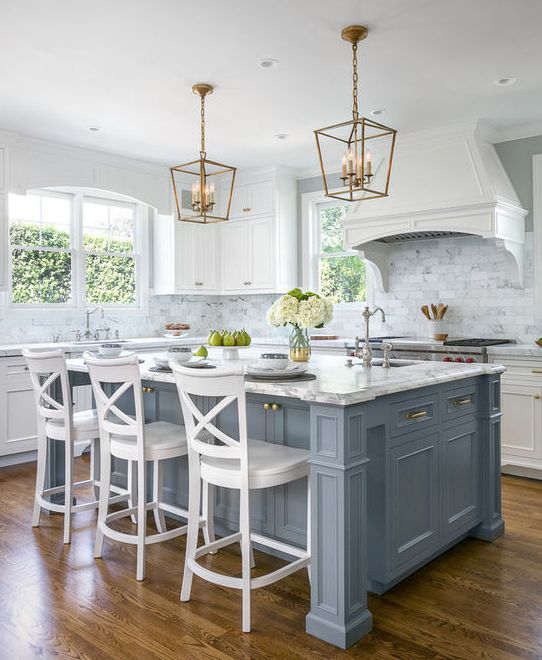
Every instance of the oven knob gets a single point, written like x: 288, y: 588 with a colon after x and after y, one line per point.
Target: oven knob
x: 447, y: 359
x: 459, y: 359
x: 470, y: 360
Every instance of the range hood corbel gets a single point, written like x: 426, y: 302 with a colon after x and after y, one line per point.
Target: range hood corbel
x: 448, y: 182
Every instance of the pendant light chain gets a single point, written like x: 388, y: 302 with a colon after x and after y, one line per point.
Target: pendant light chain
x: 355, y: 112
x: 202, y: 112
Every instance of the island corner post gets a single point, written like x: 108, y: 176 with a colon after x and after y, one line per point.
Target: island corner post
x: 396, y: 480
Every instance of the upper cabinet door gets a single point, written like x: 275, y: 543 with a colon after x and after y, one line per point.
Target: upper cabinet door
x: 234, y: 252
x: 252, y: 199
x: 207, y: 263
x: 3, y: 228
x: 240, y: 200
x: 185, y: 257
x: 262, y: 253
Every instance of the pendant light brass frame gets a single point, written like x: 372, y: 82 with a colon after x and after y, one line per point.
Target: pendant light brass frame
x: 202, y: 173
x: 357, y: 135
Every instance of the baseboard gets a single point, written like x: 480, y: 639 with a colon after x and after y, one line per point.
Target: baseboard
x: 16, y: 459
x: 522, y: 471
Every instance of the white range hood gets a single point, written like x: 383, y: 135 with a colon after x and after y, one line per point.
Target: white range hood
x: 445, y: 182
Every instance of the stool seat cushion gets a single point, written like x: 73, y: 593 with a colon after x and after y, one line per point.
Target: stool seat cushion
x: 268, y: 465
x: 162, y: 440
x: 85, y: 426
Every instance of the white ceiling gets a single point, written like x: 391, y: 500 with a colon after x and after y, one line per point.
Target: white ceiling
x: 128, y: 66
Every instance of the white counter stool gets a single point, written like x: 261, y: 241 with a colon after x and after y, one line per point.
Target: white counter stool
x: 242, y: 464
x: 128, y: 437
x: 57, y: 421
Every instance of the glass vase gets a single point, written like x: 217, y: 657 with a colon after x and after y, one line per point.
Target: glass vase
x: 300, y: 346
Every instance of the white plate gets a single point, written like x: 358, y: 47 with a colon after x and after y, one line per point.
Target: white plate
x: 290, y: 372
x: 197, y: 363
x: 170, y: 335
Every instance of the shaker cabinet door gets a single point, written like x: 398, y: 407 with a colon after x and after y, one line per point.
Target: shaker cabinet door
x: 18, y: 422
x: 234, y: 252
x: 460, y: 488
x: 261, y: 254
x: 414, y: 499
x: 521, y: 421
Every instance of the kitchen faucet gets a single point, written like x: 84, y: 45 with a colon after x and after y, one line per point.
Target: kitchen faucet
x: 88, y: 332
x: 366, y: 352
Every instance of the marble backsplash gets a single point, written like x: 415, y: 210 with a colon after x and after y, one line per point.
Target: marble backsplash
x: 469, y: 274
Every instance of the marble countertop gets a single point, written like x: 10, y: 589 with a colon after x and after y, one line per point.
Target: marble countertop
x: 335, y: 383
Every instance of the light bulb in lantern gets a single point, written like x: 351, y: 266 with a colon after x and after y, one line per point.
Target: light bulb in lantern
x: 368, y: 164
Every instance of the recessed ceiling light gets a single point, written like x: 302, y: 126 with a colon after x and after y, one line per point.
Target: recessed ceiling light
x: 94, y: 129
x: 268, y: 63
x: 505, y: 81
x: 282, y: 136
x: 377, y: 113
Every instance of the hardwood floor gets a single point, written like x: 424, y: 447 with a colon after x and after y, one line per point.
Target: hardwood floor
x: 477, y: 601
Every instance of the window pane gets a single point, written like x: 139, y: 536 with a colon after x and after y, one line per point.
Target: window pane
x: 108, y: 227
x: 41, y: 277
x: 110, y: 279
x: 40, y: 220
x: 121, y: 225
x: 343, y: 279
x: 331, y: 229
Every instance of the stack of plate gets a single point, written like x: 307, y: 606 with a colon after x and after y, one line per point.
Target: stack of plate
x: 291, y: 371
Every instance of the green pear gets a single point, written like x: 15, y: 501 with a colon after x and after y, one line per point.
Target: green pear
x: 211, y: 333
x: 248, y: 338
x: 201, y: 352
x: 228, y: 340
x: 216, y: 339
x: 240, y: 339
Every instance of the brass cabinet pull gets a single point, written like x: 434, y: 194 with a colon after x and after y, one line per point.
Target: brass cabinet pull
x: 536, y: 371
x: 276, y: 407
x: 147, y: 389
x: 536, y: 396
x: 462, y: 402
x: 266, y: 406
x: 418, y: 414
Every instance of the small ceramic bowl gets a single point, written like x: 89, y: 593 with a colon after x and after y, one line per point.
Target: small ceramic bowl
x: 110, y: 350
x: 180, y: 354
x: 274, y: 360
x: 162, y: 360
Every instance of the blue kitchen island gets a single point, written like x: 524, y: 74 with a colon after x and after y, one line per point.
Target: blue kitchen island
x: 405, y: 463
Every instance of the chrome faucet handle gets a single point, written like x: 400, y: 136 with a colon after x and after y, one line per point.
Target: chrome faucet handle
x: 387, y: 350
x: 78, y: 336
x: 117, y: 334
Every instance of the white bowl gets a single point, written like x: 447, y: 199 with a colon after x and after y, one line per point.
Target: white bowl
x: 110, y: 350
x: 180, y: 356
x: 273, y: 361
x: 162, y: 361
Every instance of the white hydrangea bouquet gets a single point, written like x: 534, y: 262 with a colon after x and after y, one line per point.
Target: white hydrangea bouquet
x: 301, y: 311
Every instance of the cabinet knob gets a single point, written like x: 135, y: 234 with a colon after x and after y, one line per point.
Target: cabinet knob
x: 147, y: 389
x: 198, y: 283
x: 266, y: 406
x: 275, y: 407
x: 536, y: 396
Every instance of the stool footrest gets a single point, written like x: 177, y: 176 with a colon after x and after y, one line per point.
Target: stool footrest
x: 216, y: 545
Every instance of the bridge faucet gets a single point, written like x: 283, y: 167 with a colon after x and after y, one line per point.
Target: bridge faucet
x: 366, y: 352
x: 88, y: 332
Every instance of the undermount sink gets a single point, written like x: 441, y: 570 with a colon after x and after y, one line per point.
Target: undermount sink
x: 95, y: 342
x: 377, y: 362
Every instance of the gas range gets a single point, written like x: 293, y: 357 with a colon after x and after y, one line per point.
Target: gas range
x: 459, y: 350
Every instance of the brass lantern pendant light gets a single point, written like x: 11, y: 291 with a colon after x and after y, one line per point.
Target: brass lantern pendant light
x: 360, y: 150
x: 203, y: 188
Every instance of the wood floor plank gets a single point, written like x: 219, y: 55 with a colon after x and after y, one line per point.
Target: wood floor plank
x: 477, y: 601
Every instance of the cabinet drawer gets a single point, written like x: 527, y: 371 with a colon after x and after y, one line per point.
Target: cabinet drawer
x: 13, y: 366
x: 459, y: 402
x: 521, y: 370
x: 413, y: 414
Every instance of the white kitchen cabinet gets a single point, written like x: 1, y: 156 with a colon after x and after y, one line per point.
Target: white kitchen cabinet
x: 185, y: 257
x: 252, y: 199
x: 18, y: 424
x: 521, y: 402
x: 254, y: 252
x: 248, y: 255
x: 3, y: 226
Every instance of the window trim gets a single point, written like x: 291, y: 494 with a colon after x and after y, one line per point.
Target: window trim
x: 310, y: 234
x: 79, y: 303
